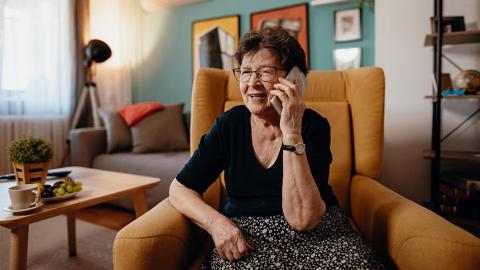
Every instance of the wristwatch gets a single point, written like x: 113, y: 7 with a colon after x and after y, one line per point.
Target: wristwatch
x: 298, y: 148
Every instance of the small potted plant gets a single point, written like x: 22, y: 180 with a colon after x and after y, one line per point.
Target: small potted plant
x: 30, y: 157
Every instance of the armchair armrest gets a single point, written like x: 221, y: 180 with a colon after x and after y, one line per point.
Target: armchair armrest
x: 160, y: 239
x: 412, y: 236
x: 85, y: 144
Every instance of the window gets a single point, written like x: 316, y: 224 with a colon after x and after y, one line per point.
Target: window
x: 37, y: 59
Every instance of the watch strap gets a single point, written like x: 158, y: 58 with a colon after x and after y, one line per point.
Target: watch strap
x: 290, y: 148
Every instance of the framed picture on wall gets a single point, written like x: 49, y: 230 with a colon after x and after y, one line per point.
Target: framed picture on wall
x: 294, y: 19
x: 214, y: 42
x: 348, y: 24
x: 349, y: 58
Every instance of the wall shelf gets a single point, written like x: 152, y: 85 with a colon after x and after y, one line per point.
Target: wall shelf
x: 465, y: 97
x: 463, y: 37
x: 453, y: 155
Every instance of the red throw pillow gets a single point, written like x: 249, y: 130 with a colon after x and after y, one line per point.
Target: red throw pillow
x: 132, y: 114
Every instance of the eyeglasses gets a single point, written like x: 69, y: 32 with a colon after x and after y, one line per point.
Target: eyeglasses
x: 264, y: 74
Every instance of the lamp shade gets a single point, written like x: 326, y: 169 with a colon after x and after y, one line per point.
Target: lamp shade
x: 96, y: 51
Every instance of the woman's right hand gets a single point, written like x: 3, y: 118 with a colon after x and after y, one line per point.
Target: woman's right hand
x: 228, y: 239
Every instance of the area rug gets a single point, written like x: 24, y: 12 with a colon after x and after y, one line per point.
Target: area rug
x: 48, y: 246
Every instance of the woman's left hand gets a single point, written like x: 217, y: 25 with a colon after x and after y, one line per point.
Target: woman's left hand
x: 293, y: 107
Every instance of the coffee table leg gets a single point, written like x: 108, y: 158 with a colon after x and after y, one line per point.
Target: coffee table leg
x: 140, y: 203
x: 72, y: 238
x: 18, y: 248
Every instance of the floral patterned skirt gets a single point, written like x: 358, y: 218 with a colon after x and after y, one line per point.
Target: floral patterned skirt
x: 332, y: 244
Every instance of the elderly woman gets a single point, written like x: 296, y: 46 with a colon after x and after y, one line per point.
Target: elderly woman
x: 280, y: 211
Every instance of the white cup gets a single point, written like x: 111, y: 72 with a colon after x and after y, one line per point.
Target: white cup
x: 23, y: 196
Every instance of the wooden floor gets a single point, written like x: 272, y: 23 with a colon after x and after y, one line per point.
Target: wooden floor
x: 108, y: 216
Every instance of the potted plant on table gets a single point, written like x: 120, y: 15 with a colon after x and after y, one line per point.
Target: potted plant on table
x: 30, y: 157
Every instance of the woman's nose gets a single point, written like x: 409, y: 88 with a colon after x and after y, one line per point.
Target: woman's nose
x: 253, y: 80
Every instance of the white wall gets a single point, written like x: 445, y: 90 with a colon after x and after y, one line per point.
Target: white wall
x: 400, y: 28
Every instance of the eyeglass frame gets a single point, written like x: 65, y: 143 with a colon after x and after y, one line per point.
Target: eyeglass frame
x: 256, y: 73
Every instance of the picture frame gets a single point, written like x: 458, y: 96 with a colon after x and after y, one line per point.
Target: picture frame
x: 292, y: 18
x: 347, y: 58
x: 214, y: 42
x: 348, y: 24
x: 450, y: 24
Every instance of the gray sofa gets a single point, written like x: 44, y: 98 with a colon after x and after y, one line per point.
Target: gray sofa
x: 88, y: 149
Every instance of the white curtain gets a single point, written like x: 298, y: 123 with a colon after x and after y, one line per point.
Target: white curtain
x: 36, y: 57
x: 37, y: 72
x: 117, y: 23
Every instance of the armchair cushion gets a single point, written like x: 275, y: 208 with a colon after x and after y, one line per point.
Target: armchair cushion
x: 134, y: 113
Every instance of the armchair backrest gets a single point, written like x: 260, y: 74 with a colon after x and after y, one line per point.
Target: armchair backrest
x: 352, y: 101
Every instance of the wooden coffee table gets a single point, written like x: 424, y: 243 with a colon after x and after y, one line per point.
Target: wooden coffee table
x: 99, y: 186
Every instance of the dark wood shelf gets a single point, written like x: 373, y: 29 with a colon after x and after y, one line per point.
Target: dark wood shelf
x: 464, y: 97
x: 453, y: 155
x: 464, y: 37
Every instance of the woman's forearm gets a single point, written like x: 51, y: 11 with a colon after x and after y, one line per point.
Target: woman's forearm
x: 190, y: 203
x: 302, y: 203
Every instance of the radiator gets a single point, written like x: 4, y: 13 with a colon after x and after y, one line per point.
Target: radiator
x: 52, y: 129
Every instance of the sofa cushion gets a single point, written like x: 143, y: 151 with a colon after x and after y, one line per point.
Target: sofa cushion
x: 162, y: 165
x: 118, y: 133
x: 134, y: 113
x: 161, y: 131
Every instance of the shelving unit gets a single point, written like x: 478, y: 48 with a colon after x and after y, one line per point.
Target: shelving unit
x: 453, y: 155
x: 436, y: 154
x: 472, y: 97
x: 464, y: 37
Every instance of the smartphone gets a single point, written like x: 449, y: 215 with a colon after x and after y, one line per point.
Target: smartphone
x: 296, y: 76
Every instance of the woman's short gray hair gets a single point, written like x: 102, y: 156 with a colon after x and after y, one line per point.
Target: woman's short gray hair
x: 277, y: 39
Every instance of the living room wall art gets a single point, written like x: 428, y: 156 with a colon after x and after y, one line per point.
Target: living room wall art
x: 348, y: 24
x: 294, y: 19
x: 214, y: 42
x: 347, y: 58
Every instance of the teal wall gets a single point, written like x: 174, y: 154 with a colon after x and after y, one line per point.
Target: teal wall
x: 165, y: 73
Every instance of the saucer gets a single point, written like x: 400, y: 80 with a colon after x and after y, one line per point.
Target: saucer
x: 22, y: 211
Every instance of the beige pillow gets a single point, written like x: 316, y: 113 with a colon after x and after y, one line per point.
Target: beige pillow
x: 118, y: 133
x: 161, y: 131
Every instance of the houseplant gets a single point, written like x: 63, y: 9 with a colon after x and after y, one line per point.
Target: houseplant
x: 30, y: 157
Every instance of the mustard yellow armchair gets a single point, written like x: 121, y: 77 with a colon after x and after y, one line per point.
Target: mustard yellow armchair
x: 404, y: 234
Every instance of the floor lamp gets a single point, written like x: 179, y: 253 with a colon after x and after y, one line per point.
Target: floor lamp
x: 96, y: 51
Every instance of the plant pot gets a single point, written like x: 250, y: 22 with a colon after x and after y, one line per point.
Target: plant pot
x: 30, y: 173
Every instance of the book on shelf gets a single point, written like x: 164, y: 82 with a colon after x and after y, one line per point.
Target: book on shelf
x: 456, y: 193
x: 462, y: 209
x: 457, y: 202
x: 448, y: 210
x: 464, y: 181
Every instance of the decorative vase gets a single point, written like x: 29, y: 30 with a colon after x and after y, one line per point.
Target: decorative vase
x: 30, y: 173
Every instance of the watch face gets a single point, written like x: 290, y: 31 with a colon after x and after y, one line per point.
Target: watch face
x: 300, y: 148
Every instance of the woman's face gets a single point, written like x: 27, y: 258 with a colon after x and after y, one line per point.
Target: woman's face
x: 255, y: 92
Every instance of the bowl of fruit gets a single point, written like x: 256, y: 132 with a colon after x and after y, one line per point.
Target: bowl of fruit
x: 60, y: 190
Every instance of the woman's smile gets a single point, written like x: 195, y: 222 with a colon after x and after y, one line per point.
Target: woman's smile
x: 258, y: 97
